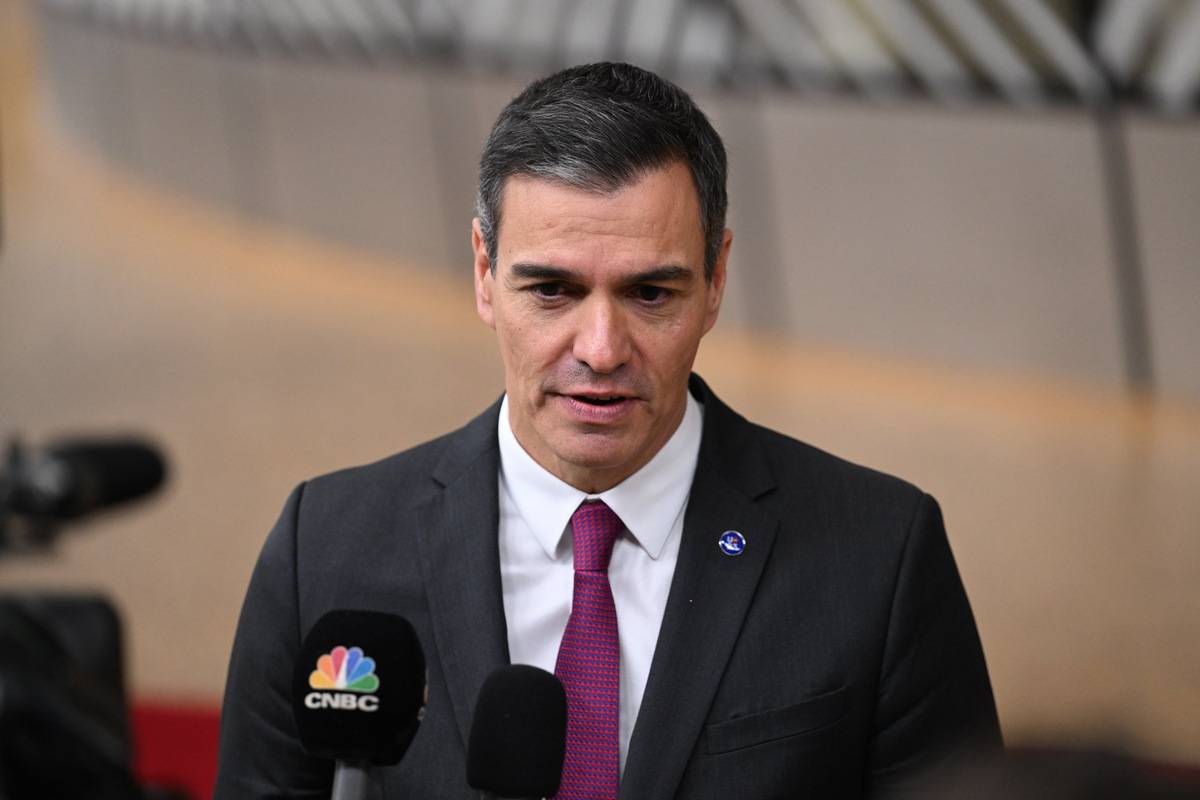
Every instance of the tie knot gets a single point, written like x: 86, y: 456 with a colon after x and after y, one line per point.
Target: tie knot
x: 594, y: 529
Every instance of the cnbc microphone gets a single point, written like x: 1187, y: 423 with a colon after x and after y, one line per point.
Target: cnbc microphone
x: 518, y: 734
x: 358, y: 692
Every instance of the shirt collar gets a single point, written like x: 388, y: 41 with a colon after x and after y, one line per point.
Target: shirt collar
x: 648, y: 502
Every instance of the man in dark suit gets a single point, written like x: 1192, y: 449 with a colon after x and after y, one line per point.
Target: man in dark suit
x: 733, y: 613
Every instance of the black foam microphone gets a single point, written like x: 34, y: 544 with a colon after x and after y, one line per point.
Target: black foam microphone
x: 518, y: 734
x: 358, y: 691
x: 76, y: 476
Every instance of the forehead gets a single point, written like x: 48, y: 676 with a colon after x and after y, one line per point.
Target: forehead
x: 653, y: 220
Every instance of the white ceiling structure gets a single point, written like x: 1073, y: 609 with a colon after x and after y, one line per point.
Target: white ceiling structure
x: 1026, y: 52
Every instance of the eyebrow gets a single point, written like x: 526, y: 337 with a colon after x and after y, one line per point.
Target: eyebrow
x: 545, y: 272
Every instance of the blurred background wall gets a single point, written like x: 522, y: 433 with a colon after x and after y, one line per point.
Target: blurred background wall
x: 966, y: 249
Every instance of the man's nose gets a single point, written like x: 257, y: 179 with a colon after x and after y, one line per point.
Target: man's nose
x: 602, y: 339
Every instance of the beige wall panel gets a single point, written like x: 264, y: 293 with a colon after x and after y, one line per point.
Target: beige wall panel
x: 351, y: 153
x: 87, y: 88
x: 458, y: 141
x: 180, y: 112
x: 1166, y: 189
x: 754, y: 295
x: 967, y: 237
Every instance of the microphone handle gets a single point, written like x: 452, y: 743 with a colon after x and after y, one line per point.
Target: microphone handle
x: 350, y: 780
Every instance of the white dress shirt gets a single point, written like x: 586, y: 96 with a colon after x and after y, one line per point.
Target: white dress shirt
x: 537, y: 569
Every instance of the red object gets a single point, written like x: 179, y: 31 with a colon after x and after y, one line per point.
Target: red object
x: 175, y: 745
x: 589, y: 661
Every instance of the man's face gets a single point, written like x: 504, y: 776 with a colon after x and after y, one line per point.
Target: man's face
x: 599, y: 303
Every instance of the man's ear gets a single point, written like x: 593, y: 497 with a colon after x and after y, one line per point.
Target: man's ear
x: 716, y: 286
x: 484, y: 280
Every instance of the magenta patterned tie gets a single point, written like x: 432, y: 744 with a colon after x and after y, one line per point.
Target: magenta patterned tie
x: 589, y: 660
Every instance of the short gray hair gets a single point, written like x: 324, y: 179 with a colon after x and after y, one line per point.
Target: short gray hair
x: 599, y: 127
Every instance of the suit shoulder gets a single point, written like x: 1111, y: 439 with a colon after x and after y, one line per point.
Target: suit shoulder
x: 813, y: 472
x: 410, y: 472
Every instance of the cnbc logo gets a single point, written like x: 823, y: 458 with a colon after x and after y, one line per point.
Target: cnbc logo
x: 345, y: 680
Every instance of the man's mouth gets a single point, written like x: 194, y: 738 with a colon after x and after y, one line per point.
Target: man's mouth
x: 603, y: 400
x: 596, y: 407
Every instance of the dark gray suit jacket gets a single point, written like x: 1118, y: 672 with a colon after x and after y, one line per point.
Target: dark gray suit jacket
x: 836, y: 657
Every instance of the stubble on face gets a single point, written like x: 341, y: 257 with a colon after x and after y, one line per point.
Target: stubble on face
x: 599, y: 303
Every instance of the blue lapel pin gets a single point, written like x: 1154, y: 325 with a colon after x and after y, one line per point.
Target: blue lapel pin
x: 732, y: 543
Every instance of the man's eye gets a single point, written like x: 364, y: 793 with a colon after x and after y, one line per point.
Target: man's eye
x: 548, y: 291
x: 651, y: 294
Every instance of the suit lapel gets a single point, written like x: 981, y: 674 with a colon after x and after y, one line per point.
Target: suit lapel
x: 460, y: 564
x: 710, y: 595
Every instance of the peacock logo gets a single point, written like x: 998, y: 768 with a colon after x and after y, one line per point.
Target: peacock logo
x: 346, y: 669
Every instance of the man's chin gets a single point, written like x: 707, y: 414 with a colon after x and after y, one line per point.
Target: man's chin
x: 600, y: 456
x: 593, y: 456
